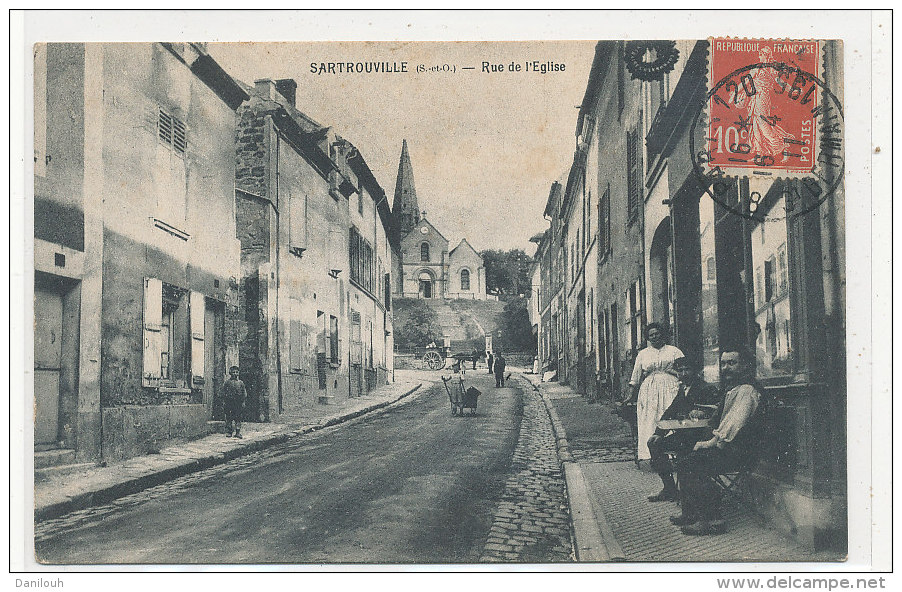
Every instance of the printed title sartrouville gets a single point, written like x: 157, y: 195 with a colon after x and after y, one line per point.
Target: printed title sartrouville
x: 358, y: 67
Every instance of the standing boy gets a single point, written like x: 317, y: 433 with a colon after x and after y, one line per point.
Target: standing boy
x: 234, y: 396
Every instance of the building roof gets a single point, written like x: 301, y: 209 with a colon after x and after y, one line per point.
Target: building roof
x: 405, y: 189
x: 464, y: 241
x: 423, y: 219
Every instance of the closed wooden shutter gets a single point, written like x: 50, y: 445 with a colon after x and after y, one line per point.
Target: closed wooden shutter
x: 153, y: 324
x: 196, y: 308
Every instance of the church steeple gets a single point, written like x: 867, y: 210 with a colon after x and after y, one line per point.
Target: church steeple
x: 405, y: 209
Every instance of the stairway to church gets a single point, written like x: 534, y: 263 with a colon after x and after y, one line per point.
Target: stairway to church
x: 453, y: 325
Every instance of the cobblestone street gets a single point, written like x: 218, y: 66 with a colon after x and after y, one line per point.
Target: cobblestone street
x: 532, y: 522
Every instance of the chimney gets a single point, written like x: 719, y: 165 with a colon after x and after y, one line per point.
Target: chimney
x: 288, y: 88
x: 266, y: 88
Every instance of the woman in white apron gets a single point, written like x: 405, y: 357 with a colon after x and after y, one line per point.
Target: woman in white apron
x: 655, y: 380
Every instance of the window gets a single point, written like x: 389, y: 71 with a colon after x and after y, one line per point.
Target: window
x: 356, y: 340
x: 634, y: 316
x: 424, y: 252
x: 173, y: 336
x: 361, y: 256
x: 172, y: 132
x: 634, y: 174
x: 604, y: 224
x: 360, y: 202
x: 465, y: 280
x: 297, y: 223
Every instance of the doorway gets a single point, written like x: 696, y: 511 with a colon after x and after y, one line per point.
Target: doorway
x: 48, y: 350
x: 426, y: 284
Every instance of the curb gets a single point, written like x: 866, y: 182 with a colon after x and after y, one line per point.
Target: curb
x: 593, y: 538
x: 137, y: 484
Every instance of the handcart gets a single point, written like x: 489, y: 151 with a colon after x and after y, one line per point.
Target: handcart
x: 461, y: 397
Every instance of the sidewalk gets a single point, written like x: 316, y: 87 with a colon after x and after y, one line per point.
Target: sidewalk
x: 612, y: 519
x: 58, y: 494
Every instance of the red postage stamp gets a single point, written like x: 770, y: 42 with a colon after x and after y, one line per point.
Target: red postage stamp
x: 764, y: 100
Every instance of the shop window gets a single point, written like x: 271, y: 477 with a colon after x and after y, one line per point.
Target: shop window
x: 773, y: 323
x: 709, y: 316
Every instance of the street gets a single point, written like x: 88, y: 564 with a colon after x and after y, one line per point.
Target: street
x: 409, y: 485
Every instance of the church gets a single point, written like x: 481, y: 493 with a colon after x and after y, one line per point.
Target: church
x: 427, y: 268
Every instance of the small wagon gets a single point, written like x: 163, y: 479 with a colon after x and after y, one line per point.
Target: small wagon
x: 437, y: 359
x: 461, y: 397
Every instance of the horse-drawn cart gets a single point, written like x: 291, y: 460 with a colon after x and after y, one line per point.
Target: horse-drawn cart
x: 436, y: 359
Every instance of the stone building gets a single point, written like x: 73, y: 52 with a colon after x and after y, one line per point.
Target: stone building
x: 427, y: 269
x: 667, y: 252
x: 136, y: 263
x: 316, y: 260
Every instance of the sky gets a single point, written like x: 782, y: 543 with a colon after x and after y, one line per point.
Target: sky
x: 485, y: 146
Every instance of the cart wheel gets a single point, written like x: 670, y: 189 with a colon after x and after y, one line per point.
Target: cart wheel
x: 433, y: 360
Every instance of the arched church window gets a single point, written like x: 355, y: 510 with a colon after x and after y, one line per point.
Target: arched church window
x: 424, y: 252
x: 465, y: 280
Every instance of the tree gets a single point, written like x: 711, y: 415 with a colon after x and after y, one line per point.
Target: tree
x: 419, y: 328
x: 506, y: 272
x: 516, y: 330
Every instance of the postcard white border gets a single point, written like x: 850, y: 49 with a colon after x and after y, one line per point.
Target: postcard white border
x: 867, y: 47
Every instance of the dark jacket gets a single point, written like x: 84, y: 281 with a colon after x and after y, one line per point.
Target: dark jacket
x: 234, y: 394
x: 500, y: 364
x: 697, y: 393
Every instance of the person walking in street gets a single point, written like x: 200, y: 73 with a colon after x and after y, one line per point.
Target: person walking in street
x: 476, y: 356
x: 653, y: 384
x: 234, y: 396
x: 500, y: 364
x: 695, y: 399
x: 733, y: 446
x: 490, y: 359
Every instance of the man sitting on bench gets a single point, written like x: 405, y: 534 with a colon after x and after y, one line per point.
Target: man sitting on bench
x: 733, y: 447
x: 696, y: 399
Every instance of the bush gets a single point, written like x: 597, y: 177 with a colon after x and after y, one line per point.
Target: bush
x: 419, y: 328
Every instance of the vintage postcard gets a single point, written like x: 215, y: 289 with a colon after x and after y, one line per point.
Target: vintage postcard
x: 402, y: 302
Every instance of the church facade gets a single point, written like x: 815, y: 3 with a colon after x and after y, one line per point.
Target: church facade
x: 428, y: 268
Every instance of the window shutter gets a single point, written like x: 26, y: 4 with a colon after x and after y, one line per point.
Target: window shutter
x: 297, y: 223
x: 153, y: 324
x: 196, y: 308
